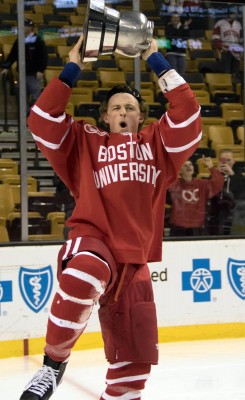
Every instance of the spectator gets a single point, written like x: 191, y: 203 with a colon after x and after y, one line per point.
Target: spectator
x: 119, y: 180
x: 227, y: 38
x: 222, y: 206
x: 188, y: 197
x: 36, y: 62
x: 177, y: 34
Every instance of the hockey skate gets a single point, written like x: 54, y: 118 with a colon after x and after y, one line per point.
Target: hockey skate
x: 45, y: 381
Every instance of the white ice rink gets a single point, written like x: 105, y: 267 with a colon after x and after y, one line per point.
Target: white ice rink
x: 199, y: 370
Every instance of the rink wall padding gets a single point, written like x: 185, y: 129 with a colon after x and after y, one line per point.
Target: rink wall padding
x: 199, y: 289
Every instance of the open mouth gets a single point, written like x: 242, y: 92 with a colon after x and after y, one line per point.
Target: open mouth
x: 123, y: 124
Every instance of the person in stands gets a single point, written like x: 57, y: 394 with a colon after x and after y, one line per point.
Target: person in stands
x: 177, y: 34
x: 188, y: 197
x: 119, y: 180
x: 226, y: 208
x: 227, y: 38
x: 36, y: 58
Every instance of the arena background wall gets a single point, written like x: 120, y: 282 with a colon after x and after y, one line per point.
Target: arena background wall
x: 199, y: 292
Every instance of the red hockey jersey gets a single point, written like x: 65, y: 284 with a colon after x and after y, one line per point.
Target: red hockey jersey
x: 119, y: 181
x: 189, y: 199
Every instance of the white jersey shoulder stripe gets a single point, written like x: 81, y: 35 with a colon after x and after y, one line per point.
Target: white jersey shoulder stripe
x: 184, y: 123
x: 185, y: 147
x: 47, y: 116
x: 53, y: 146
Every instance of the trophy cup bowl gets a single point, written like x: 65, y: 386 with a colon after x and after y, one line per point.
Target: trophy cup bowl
x: 107, y: 30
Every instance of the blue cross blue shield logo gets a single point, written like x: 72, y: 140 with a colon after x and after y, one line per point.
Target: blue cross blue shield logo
x: 6, y: 291
x: 201, y: 280
x: 36, y: 286
x: 236, y: 276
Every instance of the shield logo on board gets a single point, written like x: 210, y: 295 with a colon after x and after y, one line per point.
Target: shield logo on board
x: 36, y: 286
x: 236, y: 276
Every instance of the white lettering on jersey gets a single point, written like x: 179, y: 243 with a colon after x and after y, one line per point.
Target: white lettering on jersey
x: 132, y: 171
x: 120, y: 152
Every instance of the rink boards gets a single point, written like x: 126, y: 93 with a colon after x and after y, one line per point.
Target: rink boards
x: 199, y: 292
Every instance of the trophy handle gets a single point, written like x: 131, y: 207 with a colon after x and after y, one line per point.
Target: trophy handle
x: 144, y: 46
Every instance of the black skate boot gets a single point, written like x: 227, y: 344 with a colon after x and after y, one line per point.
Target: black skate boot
x: 45, y: 381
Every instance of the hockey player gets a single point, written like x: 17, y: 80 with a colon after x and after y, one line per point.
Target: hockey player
x: 119, y: 181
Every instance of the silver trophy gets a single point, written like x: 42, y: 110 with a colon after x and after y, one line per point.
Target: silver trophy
x: 106, y: 31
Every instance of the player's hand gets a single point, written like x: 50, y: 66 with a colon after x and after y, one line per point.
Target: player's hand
x: 4, y: 71
x: 39, y: 75
x: 74, y: 54
x: 152, y: 49
x: 225, y: 169
x: 208, y: 162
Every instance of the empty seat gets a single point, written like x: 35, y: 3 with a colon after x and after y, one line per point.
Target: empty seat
x: 49, y: 74
x: 57, y: 221
x: 147, y: 95
x: 88, y: 79
x: 55, y: 41
x: 225, y: 97
x: 36, y: 226
x: 5, y: 8
x: 203, y: 96
x: 195, y: 80
x: 85, y: 97
x: 145, y: 79
x: 43, y: 8
x: 88, y: 110
x: 70, y: 109
x: 42, y: 202
x: 221, y: 137
x: 75, y: 20
x: 210, y: 110
x: 55, y: 63
x: 63, y: 51
x: 111, y: 78
x: 51, y: 50
x: 55, y: 20
x: 202, y: 55
x: 15, y: 182
x: 4, y: 236
x: 191, y: 65
x: 8, y: 167
x: 208, y: 121
x: 105, y: 64
x: 37, y: 18
x: 240, y: 134
x: 6, y: 200
x: 218, y: 82
x: 100, y: 94
x: 231, y: 111
x: 128, y: 64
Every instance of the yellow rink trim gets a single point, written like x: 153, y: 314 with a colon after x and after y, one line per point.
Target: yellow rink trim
x: 93, y: 340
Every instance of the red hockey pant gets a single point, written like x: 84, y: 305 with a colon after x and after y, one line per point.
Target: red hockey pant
x: 84, y: 281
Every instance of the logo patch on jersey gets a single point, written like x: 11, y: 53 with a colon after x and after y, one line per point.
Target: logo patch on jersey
x: 236, y: 276
x: 36, y: 286
x: 93, y: 129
